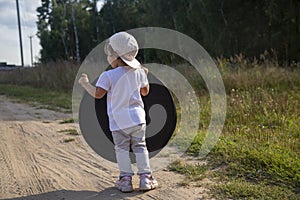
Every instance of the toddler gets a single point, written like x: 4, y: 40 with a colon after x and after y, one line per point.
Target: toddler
x: 124, y: 85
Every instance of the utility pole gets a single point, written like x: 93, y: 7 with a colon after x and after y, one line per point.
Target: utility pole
x: 20, y: 33
x: 30, y: 37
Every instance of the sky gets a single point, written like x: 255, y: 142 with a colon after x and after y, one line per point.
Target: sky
x: 9, y: 33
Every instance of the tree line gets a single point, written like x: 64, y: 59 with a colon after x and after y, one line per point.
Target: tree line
x: 70, y: 29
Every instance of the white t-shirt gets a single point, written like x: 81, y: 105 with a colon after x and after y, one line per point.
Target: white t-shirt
x: 125, y: 107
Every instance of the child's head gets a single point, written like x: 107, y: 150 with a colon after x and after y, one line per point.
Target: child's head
x: 122, y: 47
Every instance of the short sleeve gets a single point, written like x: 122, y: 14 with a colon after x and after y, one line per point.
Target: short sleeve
x: 103, y: 81
x: 144, y: 79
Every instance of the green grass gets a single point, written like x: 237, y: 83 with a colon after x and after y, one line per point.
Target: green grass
x: 194, y: 172
x: 257, y: 155
x: 69, y: 131
x: 48, y: 98
x: 258, y: 164
x: 242, y: 189
x: 67, y: 121
x: 69, y: 140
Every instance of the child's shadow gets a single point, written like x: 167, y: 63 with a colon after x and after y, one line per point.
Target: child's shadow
x: 110, y: 193
x: 113, y: 193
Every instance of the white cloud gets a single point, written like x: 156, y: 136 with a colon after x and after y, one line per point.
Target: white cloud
x: 9, y: 35
x: 7, y: 11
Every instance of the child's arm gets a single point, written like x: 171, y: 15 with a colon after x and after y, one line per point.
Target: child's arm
x: 95, y: 92
x: 145, y: 90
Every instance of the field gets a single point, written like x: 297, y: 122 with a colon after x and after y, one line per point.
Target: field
x: 257, y: 155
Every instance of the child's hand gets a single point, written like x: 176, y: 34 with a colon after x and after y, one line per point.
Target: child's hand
x: 83, y: 79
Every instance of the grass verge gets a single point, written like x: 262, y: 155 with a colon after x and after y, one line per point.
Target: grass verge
x: 257, y: 155
x: 49, y: 99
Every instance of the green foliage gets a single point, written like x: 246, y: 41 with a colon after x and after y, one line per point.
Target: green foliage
x: 67, y: 121
x: 242, y: 189
x: 69, y: 131
x: 257, y: 155
x: 258, y: 162
x: 193, y: 172
x: 223, y: 28
x: 69, y: 140
x: 56, y: 28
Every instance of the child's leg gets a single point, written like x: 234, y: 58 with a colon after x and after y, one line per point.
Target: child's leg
x: 138, y: 145
x: 122, y: 148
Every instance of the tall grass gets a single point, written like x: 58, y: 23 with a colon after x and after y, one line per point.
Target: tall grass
x: 260, y: 143
x: 57, y: 76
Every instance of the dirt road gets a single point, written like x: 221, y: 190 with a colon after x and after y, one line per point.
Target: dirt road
x: 39, y: 161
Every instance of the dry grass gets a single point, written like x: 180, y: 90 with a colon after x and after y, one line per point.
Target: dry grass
x: 58, y: 76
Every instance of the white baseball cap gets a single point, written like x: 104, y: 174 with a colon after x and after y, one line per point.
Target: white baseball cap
x: 126, y: 47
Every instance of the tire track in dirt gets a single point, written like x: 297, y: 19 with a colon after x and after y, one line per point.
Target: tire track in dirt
x: 6, y: 173
x: 36, y: 163
x: 21, y: 164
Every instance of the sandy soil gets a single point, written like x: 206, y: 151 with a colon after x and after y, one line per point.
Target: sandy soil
x: 36, y: 162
